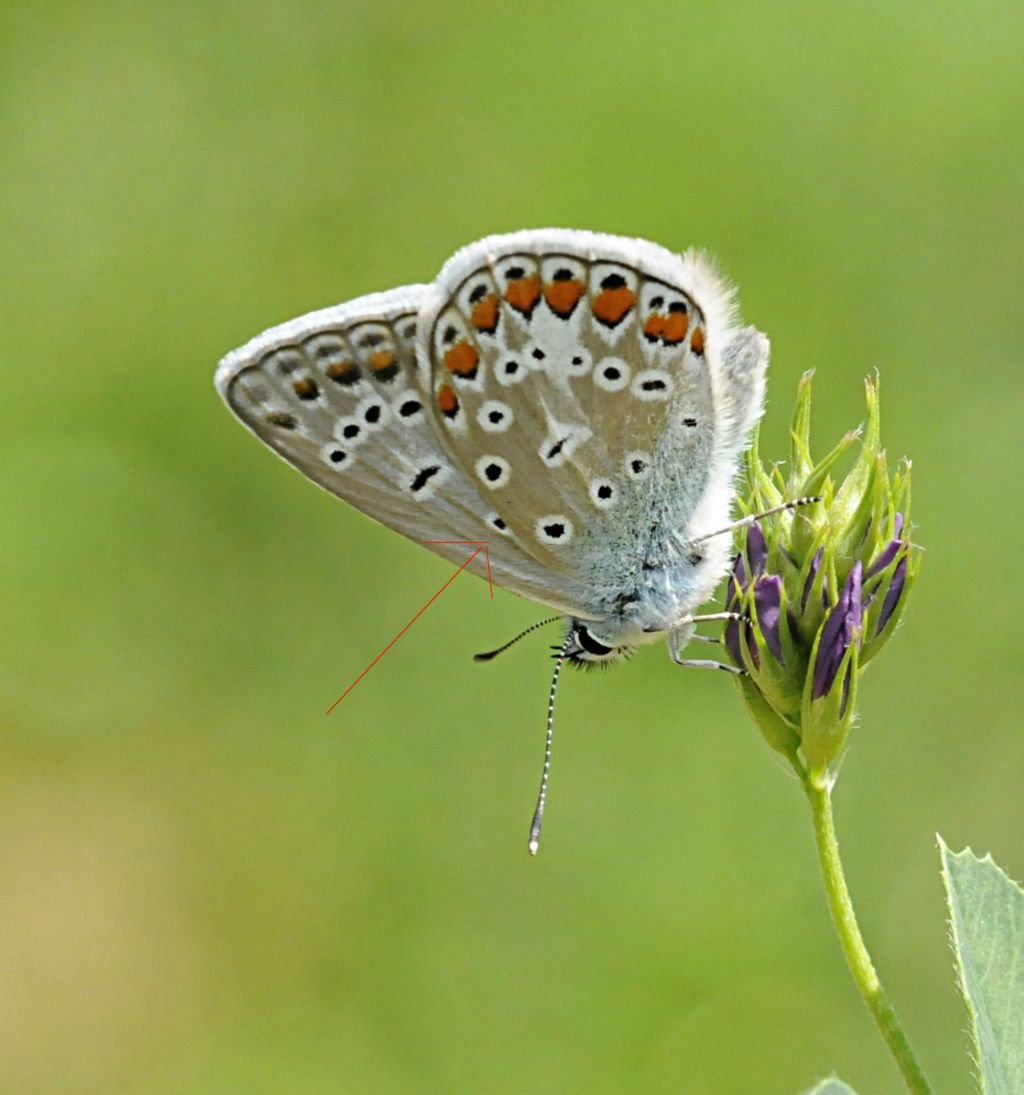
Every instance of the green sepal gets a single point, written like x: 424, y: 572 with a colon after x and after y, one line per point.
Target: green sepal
x: 825, y: 722
x: 781, y: 735
x: 815, y: 481
x: 853, y: 530
x: 850, y: 494
x: 800, y: 461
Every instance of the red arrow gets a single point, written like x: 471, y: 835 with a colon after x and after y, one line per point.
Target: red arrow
x: 469, y: 543
x: 480, y: 546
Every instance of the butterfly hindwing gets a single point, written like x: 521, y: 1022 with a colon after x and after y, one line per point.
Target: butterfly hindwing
x: 339, y: 395
x: 595, y: 395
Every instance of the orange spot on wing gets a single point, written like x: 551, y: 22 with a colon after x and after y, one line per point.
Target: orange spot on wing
x: 462, y: 359
x: 675, y: 329
x: 343, y: 371
x: 524, y: 293
x: 484, y: 316
x: 563, y: 296
x: 447, y: 400
x: 305, y: 388
x: 655, y: 326
x: 697, y: 341
x: 382, y: 359
x: 610, y: 305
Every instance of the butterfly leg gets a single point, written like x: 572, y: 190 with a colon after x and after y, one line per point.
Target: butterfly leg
x: 687, y: 630
x: 703, y: 663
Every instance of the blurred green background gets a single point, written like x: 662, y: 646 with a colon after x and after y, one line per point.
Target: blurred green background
x: 208, y: 886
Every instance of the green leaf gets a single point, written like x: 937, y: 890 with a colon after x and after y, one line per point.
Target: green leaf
x: 987, y: 921
x: 831, y: 1086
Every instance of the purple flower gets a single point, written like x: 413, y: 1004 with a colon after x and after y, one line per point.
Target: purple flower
x: 840, y: 630
x: 768, y: 603
x: 893, y: 594
x: 737, y: 585
x: 889, y: 552
x: 757, y: 549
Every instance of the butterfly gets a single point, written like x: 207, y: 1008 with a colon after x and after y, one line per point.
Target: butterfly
x: 577, y: 401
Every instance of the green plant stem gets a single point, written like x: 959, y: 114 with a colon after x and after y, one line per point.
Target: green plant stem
x: 857, y: 957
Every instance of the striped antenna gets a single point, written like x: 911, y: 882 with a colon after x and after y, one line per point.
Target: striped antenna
x: 751, y: 518
x: 538, y: 814
x: 489, y: 654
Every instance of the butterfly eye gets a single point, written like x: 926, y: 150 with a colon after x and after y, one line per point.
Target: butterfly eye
x: 591, y: 645
x: 584, y: 649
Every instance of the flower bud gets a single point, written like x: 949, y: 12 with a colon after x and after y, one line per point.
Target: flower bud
x: 820, y: 587
x: 830, y: 688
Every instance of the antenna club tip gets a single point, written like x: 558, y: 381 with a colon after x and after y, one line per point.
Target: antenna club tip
x: 534, y: 847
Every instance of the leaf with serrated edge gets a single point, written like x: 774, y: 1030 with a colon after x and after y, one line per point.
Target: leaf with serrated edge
x: 831, y: 1086
x: 987, y: 926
